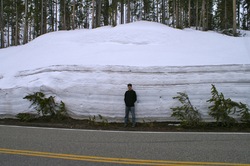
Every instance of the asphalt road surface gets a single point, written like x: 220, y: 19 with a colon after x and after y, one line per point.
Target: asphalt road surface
x: 28, y: 146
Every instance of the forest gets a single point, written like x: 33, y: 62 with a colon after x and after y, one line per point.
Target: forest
x: 22, y: 21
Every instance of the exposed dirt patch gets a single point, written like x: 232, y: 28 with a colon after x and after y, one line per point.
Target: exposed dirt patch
x: 153, y: 126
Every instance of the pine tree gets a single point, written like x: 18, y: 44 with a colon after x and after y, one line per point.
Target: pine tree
x: 114, y: 13
x: 246, y: 15
x: 86, y: 11
x: 25, y: 36
x: 64, y: 23
x: 23, y: 20
x: 224, y: 15
x: 93, y: 14
x: 146, y: 9
x: 52, y: 16
x: 122, y: 11
x: 203, y: 15
x: 37, y: 18
x: 1, y: 24
x: 128, y: 11
x: 234, y: 17
x: 106, y: 12
x: 163, y: 11
x: 98, y: 13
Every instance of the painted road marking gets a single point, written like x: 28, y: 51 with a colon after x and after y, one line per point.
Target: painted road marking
x: 111, y: 160
x: 135, y: 132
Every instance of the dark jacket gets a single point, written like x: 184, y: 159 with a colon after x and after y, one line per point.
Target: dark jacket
x: 130, y: 98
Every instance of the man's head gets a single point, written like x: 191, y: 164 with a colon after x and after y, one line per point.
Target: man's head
x: 129, y: 86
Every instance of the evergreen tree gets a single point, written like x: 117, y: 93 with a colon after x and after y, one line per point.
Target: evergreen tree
x: 106, y: 8
x: 234, y: 17
x: 114, y: 13
x: 1, y: 24
x: 223, y: 14
x: 51, y: 16
x: 98, y: 12
x: 128, y: 11
x: 122, y: 11
x: 23, y: 20
x: 65, y: 13
x: 37, y: 18
x: 86, y: 8
x: 246, y: 14
x: 25, y: 36
x: 146, y: 9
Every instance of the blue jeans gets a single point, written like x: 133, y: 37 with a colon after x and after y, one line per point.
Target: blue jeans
x: 132, y: 110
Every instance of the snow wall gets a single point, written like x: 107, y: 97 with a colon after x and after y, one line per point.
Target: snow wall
x: 99, y: 90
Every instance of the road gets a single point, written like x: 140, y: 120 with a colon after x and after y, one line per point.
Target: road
x: 28, y: 146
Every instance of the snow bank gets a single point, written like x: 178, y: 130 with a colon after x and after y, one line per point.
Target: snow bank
x: 89, y: 70
x: 99, y: 90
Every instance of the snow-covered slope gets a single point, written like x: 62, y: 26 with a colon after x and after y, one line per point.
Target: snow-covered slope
x: 89, y: 69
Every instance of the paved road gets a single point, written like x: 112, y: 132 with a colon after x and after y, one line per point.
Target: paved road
x: 24, y: 146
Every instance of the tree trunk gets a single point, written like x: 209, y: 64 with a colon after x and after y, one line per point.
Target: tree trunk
x: 114, y: 13
x: 64, y: 15
x: 163, y: 12
x: 98, y: 13
x: 93, y: 14
x: 189, y: 13
x: 157, y: 11
x: 2, y: 25
x: 42, y: 17
x: 197, y: 14
x: 45, y: 16
x: 8, y: 30
x: 128, y: 12
x: 16, y: 28
x: 234, y: 17
x: 73, y: 15
x: 203, y: 18
x: 122, y: 11
x: 177, y: 6
x: 56, y: 16
x: 106, y: 12
x: 25, y: 35
x: 51, y: 12
x: 238, y: 14
x: 173, y: 13
x: 225, y: 16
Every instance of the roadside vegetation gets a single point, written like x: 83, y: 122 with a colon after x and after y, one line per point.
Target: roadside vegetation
x: 228, y: 115
x: 46, y: 107
x: 226, y: 112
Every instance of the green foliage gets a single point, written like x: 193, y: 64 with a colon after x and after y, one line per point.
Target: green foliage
x: 244, y: 112
x: 229, y: 32
x: 223, y: 109
x: 47, y: 106
x: 101, y: 121
x: 26, y: 117
x: 104, y: 121
x: 149, y: 123
x: 61, y: 112
x: 92, y: 120
x: 188, y: 114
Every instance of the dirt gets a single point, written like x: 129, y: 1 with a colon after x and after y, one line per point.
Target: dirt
x: 152, y: 126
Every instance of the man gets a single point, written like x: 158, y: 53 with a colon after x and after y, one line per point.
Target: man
x: 130, y: 99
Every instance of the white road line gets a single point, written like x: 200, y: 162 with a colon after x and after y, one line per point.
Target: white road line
x: 140, y: 132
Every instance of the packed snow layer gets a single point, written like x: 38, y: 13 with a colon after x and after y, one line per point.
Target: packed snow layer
x: 89, y: 70
x: 99, y: 90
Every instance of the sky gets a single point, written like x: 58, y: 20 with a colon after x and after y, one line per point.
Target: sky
x: 94, y: 63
